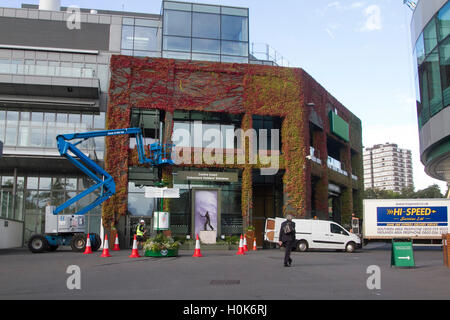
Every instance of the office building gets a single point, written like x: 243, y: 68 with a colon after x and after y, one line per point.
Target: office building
x: 430, y: 30
x: 187, y: 69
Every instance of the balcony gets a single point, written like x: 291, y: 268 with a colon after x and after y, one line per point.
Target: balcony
x: 336, y: 165
x: 314, y: 155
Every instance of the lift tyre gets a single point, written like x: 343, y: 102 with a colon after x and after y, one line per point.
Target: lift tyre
x: 78, y: 242
x: 38, y: 244
x: 97, y: 242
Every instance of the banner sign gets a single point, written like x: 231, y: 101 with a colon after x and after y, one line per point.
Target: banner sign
x: 412, y: 216
x: 153, y: 192
x: 205, y: 176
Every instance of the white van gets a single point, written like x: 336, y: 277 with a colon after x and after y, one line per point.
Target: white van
x: 314, y: 234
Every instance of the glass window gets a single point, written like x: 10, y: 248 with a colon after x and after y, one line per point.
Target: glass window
x: 145, y: 39
x: 444, y: 21
x: 444, y: 52
x: 177, y: 44
x: 205, y: 57
x: 235, y: 48
x: 181, y: 134
x: 144, y: 22
x: 177, y: 23
x: 177, y: 55
x: 2, y: 124
x: 419, y: 50
x: 32, y: 182
x: 139, y: 205
x: 99, y: 121
x: 205, y: 8
x: 177, y: 6
x: 206, y: 46
x: 205, y: 25
x: 45, y: 183
x: 430, y: 37
x: 235, y: 11
x: 128, y: 21
x: 127, y: 37
x: 433, y: 77
x: 234, y: 28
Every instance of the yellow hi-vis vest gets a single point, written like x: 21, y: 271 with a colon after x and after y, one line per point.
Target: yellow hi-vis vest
x: 138, y: 231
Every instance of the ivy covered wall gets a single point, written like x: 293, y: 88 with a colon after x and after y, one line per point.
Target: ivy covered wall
x: 169, y: 85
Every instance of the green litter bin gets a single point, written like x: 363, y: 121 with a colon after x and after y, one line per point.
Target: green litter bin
x: 402, y: 253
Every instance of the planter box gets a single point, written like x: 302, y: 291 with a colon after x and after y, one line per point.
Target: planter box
x: 162, y: 253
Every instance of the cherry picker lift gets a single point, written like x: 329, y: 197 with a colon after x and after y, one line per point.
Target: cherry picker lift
x: 69, y: 229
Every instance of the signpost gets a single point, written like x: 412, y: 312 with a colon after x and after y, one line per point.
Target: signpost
x: 402, y: 254
x: 161, y: 218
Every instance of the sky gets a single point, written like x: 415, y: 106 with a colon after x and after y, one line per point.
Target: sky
x: 359, y: 50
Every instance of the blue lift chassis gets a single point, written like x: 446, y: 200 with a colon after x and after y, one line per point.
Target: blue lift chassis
x: 160, y: 155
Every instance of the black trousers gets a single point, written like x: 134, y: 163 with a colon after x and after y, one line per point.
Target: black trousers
x: 287, y: 254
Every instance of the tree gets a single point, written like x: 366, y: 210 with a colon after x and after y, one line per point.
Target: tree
x: 430, y: 192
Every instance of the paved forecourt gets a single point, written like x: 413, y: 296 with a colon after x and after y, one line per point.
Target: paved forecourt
x: 222, y: 275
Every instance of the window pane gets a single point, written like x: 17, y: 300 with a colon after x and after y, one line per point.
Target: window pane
x: 444, y: 21
x: 177, y: 44
x: 444, y: 52
x: 99, y: 121
x: 234, y: 28
x: 206, y: 25
x: 177, y: 6
x: 205, y: 57
x: 181, y: 134
x: 127, y: 37
x: 235, y: 11
x: 430, y: 86
x: 177, y: 23
x: 235, y: 48
x: 206, y: 8
x: 205, y: 46
x: 145, y: 39
x: 429, y: 35
x: 177, y: 55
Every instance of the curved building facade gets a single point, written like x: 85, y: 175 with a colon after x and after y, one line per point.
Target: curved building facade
x: 430, y: 31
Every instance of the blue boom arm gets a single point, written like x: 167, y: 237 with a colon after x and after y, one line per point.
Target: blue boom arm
x: 102, y: 179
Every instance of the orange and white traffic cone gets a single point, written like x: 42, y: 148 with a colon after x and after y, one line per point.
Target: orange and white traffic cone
x: 197, y: 252
x: 245, y: 244
x: 134, y: 251
x: 105, y: 253
x: 88, y: 246
x: 254, y: 244
x: 241, y: 247
x: 116, y: 244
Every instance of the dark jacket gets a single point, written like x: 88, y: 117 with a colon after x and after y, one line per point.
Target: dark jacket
x: 287, y: 237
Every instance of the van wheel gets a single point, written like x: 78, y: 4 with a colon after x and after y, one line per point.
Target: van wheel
x: 302, y: 246
x: 350, y: 247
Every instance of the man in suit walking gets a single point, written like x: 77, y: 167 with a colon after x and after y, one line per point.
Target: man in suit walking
x: 287, y: 238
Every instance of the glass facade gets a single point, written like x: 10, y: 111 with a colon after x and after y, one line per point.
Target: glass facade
x: 205, y: 32
x: 140, y: 37
x: 34, y: 192
x: 432, y: 58
x: 34, y: 129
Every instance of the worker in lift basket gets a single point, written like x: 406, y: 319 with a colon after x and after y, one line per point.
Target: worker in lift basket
x: 140, y: 232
